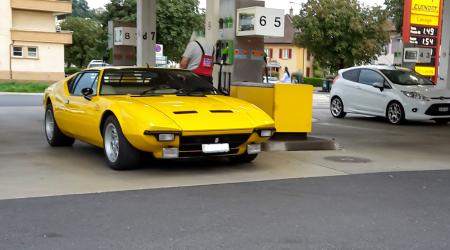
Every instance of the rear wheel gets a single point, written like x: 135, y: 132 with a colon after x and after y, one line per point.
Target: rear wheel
x: 337, y: 108
x: 441, y: 121
x: 52, y: 132
x: 395, y: 113
x: 119, y: 153
x: 244, y: 158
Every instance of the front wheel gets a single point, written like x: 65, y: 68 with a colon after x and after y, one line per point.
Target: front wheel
x: 337, y: 108
x: 395, y: 113
x: 54, y: 136
x: 243, y: 158
x: 119, y: 153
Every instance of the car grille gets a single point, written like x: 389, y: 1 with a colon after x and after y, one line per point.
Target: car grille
x: 434, y: 110
x: 193, y: 144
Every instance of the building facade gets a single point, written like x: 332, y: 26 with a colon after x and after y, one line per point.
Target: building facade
x: 282, y: 52
x: 31, y: 47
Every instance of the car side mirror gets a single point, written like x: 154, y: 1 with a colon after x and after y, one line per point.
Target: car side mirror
x: 379, y: 85
x: 87, y: 93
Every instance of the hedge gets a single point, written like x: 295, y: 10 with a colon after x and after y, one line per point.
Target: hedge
x: 71, y: 70
x: 316, y: 82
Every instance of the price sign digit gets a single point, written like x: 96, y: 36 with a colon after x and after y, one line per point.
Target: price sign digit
x: 263, y: 21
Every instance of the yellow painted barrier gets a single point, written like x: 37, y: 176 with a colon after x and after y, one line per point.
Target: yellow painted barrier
x: 290, y: 105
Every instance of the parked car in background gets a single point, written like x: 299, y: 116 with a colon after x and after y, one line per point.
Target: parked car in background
x: 96, y: 64
x: 272, y: 79
x: 168, y: 113
x: 386, y: 91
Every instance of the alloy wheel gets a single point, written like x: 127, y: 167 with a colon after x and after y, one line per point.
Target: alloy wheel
x: 336, y: 107
x: 49, y: 124
x: 111, y: 138
x: 395, y: 113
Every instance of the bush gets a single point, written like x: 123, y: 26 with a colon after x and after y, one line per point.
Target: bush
x: 71, y: 70
x: 316, y: 82
x: 25, y: 87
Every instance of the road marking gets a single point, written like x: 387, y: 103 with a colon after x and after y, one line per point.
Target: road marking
x: 19, y: 93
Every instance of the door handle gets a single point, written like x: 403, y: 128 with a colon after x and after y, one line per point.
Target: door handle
x: 66, y: 101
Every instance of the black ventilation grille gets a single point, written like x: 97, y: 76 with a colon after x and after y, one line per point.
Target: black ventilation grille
x: 194, y: 143
x: 185, y: 112
x: 221, y: 111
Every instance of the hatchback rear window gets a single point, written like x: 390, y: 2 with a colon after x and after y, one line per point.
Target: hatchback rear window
x: 351, y: 75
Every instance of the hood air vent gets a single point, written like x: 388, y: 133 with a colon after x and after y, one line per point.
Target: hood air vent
x: 185, y: 112
x: 221, y: 111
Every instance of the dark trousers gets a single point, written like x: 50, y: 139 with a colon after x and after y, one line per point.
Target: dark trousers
x: 207, y: 78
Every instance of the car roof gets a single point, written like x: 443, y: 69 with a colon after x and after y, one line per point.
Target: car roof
x: 377, y: 67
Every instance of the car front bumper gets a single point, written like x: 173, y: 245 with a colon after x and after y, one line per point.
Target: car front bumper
x: 427, y: 110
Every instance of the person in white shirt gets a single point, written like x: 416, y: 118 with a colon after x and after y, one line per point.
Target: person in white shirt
x: 286, y: 76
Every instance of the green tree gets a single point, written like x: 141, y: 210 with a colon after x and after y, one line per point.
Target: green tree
x: 395, y: 11
x: 341, y: 33
x: 175, y: 21
x: 88, y: 41
x: 80, y: 8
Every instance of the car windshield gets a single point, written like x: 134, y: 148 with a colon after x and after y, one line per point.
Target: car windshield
x: 403, y: 77
x: 151, y: 82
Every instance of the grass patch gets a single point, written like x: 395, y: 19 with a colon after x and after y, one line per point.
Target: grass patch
x: 24, y: 87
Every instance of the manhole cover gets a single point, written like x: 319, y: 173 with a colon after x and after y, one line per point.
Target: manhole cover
x: 347, y: 159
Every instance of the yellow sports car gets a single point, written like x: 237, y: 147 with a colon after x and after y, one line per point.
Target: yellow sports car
x: 172, y: 114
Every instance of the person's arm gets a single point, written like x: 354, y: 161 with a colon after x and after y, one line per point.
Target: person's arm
x: 184, y: 62
x: 187, y: 55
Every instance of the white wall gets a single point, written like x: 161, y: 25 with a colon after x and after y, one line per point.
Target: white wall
x: 51, y: 58
x: 5, y: 34
x: 42, y: 21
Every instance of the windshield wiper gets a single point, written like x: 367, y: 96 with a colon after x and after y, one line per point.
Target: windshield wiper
x: 184, y: 92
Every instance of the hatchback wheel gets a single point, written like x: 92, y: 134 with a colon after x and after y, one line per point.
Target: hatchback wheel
x: 119, y: 153
x: 337, y: 108
x: 395, y: 113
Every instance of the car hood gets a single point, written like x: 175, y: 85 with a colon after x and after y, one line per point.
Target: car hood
x: 426, y: 90
x: 212, y: 113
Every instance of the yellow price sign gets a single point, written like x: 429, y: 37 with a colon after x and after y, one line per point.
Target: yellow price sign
x: 424, y: 20
x: 425, y: 70
x: 426, y: 7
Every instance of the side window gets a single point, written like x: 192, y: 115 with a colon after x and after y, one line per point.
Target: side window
x: 351, y: 75
x: 369, y: 77
x: 71, y: 82
x: 86, y: 80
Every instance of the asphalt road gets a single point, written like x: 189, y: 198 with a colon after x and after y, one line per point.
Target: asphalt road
x: 10, y: 100
x: 394, y: 210
x: 375, y: 211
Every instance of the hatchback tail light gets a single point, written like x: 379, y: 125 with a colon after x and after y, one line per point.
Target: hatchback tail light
x: 335, y: 79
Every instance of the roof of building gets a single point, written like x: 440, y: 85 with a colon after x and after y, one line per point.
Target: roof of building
x: 289, y: 33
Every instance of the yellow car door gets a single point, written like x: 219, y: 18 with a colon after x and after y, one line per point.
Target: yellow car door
x: 82, y: 110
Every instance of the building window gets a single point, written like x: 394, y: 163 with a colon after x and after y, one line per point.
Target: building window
x: 308, y: 55
x: 17, y: 51
x: 285, y: 53
x: 32, y: 52
x: 308, y: 72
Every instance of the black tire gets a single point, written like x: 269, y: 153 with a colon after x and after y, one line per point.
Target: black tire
x: 127, y: 156
x: 53, y: 134
x: 442, y: 122
x: 395, y: 113
x: 243, y: 158
x: 337, y: 107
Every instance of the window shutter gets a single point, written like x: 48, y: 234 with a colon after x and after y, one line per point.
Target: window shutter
x: 281, y: 53
x: 290, y: 53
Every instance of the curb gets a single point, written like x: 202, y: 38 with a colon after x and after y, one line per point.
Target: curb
x: 20, y: 93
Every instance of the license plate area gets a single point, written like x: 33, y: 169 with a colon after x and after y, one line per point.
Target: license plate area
x: 216, y: 148
x: 443, y: 109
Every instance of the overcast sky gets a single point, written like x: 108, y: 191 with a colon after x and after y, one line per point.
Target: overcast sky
x: 279, y: 4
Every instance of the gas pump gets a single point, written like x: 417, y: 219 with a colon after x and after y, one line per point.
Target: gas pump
x: 240, y: 62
